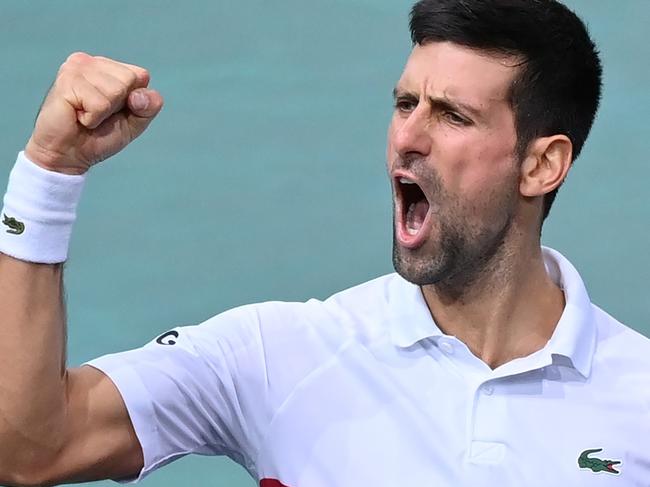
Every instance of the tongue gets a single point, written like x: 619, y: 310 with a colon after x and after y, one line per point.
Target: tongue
x: 415, y: 216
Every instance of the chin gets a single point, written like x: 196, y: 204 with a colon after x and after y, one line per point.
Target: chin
x: 417, y: 266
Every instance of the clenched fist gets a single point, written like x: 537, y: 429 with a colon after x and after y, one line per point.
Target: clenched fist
x: 94, y: 109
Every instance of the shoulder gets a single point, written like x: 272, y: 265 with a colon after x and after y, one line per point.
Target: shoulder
x: 616, y: 338
x: 354, y: 312
x: 622, y: 354
x: 289, y: 340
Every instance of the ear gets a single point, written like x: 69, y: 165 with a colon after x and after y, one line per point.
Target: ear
x: 546, y: 165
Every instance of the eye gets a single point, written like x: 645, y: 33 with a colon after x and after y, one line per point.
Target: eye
x: 455, y: 119
x: 405, y: 105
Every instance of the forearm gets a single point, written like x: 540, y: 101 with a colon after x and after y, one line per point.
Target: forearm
x: 55, y: 425
x: 32, y: 363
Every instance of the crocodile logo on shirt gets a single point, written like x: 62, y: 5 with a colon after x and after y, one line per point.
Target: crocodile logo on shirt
x: 596, y: 464
x: 15, y: 227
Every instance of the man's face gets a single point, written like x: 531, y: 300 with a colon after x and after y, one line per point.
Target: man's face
x: 453, y: 135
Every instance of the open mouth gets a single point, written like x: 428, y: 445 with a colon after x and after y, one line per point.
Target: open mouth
x: 412, y: 209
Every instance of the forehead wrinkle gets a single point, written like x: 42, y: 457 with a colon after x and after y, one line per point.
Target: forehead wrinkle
x: 415, y: 74
x: 443, y: 100
x: 413, y: 84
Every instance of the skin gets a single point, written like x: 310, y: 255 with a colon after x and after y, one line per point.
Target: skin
x: 61, y: 425
x: 57, y: 424
x: 480, y: 266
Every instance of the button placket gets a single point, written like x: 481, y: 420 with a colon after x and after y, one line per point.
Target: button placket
x: 487, y: 445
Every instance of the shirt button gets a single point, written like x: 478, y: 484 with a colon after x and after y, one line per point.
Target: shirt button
x: 447, y: 347
x: 488, y: 390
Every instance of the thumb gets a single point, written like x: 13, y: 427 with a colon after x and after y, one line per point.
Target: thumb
x: 143, y: 105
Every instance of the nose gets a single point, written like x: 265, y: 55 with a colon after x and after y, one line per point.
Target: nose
x: 411, y: 135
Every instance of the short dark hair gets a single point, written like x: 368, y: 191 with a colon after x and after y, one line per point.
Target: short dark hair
x: 559, y: 85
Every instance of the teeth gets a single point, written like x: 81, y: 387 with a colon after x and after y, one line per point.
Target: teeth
x: 405, y: 181
x: 411, y: 231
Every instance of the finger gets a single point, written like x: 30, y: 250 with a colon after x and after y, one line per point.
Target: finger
x: 112, y: 88
x: 144, y: 105
x: 134, y: 67
x: 91, y: 105
x: 142, y: 76
x: 129, y: 74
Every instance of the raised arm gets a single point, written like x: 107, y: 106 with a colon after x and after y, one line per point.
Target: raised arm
x: 59, y: 425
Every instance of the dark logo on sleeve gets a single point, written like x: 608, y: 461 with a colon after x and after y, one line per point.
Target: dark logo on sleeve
x: 15, y: 227
x: 168, y: 338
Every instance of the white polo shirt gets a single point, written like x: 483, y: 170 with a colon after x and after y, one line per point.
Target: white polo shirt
x: 364, y: 389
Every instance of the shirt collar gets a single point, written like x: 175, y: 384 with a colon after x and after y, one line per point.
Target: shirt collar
x: 574, y: 336
x: 410, y: 319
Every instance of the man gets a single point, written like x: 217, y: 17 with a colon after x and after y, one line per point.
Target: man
x: 481, y: 362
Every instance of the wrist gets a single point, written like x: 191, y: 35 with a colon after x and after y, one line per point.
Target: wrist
x: 51, y: 160
x: 39, y: 211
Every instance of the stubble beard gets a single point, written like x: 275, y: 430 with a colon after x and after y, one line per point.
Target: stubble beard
x: 462, y: 251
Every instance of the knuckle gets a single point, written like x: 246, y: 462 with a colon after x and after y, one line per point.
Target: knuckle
x: 102, y: 105
x: 71, y: 79
x: 77, y: 57
x: 71, y: 65
x: 62, y: 76
x: 66, y: 80
x: 132, y: 78
x: 118, y: 93
x: 66, y: 67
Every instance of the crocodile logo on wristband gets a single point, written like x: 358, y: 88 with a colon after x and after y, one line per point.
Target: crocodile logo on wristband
x: 15, y: 227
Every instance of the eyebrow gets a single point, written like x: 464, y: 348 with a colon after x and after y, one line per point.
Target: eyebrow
x: 444, y: 102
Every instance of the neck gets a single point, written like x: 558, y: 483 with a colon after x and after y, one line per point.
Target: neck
x: 508, y: 309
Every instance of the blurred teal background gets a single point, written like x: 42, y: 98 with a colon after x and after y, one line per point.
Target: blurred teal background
x: 263, y: 178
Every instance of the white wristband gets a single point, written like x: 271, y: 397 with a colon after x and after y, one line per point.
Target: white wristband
x: 39, y: 210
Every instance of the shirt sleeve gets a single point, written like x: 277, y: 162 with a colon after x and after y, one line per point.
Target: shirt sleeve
x: 196, y: 389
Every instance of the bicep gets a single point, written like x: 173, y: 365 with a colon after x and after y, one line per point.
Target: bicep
x: 100, y: 439
x: 204, y: 392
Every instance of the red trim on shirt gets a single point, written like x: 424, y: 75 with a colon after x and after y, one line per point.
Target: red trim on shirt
x: 271, y: 483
